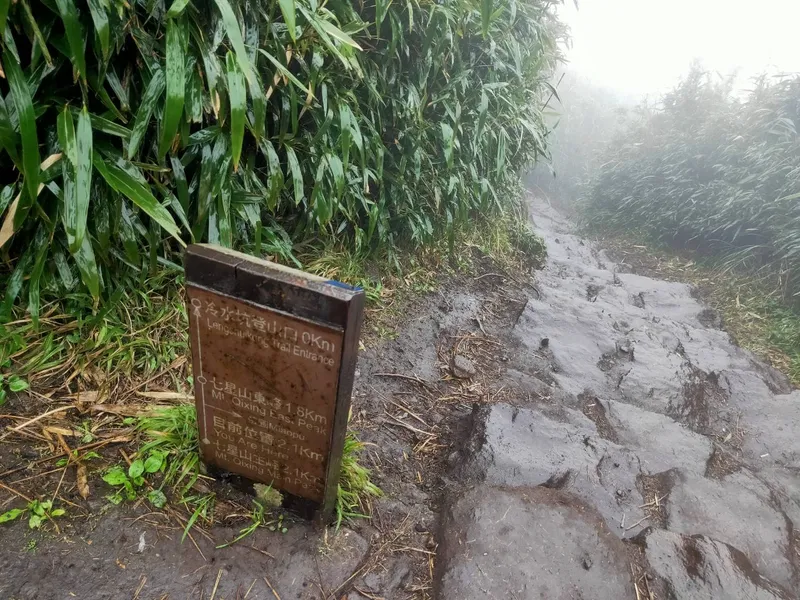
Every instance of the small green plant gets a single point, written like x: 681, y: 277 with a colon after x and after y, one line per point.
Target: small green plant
x: 38, y: 512
x: 355, y: 486
x: 11, y: 383
x: 128, y: 482
x: 77, y: 457
x: 257, y: 516
x: 201, y: 507
x: 172, y: 433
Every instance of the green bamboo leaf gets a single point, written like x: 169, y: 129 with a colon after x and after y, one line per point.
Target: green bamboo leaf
x: 102, y: 124
x: 178, y: 209
x: 120, y: 179
x: 319, y: 204
x: 64, y: 271
x: 42, y: 243
x: 177, y: 8
x: 128, y: 234
x: 194, y: 98
x: 87, y: 265
x: 238, y: 101
x: 212, y: 165
x: 72, y: 27
x: 483, y: 110
x: 103, y: 203
x: 275, y: 180
x: 69, y: 199
x: 6, y: 194
x: 224, y: 217
x: 288, y: 11
x: 149, y: 99
x: 66, y: 135
x: 204, y: 136
x: 181, y: 184
x: 205, y: 190
x: 297, y: 175
x: 176, y: 82
x: 234, y: 31
x: 338, y: 34
x: 345, y: 133
x: 8, y: 137
x: 96, y: 83
x: 83, y: 175
x: 259, y: 103
x: 37, y: 33
x: 316, y: 23
x: 15, y: 281
x: 284, y: 71
x: 4, y: 5
x: 335, y: 165
x: 486, y: 16
x: 10, y: 44
x: 119, y: 89
x: 27, y: 127
x: 97, y: 8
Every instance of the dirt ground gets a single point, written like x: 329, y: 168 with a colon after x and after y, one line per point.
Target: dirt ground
x: 578, y: 432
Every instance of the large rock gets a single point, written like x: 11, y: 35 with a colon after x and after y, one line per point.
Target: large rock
x: 738, y: 510
x: 699, y: 568
x: 523, y: 447
x: 660, y: 442
x: 528, y: 544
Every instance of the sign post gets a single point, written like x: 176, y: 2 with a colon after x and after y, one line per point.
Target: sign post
x: 273, y: 356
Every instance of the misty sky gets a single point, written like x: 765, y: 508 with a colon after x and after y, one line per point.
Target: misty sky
x: 643, y: 46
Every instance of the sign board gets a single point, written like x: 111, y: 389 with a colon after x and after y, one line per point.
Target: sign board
x: 273, y: 357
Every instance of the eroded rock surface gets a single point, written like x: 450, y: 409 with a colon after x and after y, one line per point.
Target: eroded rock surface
x: 686, y: 446
x: 529, y: 543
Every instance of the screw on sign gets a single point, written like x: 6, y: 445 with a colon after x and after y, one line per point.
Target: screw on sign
x: 273, y: 354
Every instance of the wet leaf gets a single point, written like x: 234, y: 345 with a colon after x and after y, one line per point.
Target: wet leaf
x: 150, y: 97
x: 238, y: 100
x: 11, y: 515
x: 157, y: 498
x: 175, y: 82
x: 27, y: 126
x: 72, y: 27
x: 82, y: 480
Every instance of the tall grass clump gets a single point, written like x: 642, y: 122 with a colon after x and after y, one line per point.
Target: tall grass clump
x: 131, y: 128
x: 715, y: 172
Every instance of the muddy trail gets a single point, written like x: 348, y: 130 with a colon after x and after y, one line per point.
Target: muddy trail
x: 582, y: 433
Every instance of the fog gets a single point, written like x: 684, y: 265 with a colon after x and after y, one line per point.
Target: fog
x: 623, y: 56
x: 643, y: 47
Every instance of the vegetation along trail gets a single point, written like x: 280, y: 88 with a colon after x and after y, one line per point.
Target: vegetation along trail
x: 584, y: 431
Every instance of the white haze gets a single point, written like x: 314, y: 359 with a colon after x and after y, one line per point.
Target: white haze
x: 643, y: 47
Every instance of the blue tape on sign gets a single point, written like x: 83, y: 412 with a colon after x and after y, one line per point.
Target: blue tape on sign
x: 346, y: 286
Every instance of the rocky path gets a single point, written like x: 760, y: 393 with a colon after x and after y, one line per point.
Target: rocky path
x: 652, y: 451
x: 592, y: 434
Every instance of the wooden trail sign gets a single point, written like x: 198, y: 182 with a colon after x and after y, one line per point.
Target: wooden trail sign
x: 273, y: 356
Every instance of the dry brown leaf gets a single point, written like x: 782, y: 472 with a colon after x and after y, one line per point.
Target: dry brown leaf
x: 7, y: 230
x: 165, y: 395
x: 128, y: 410
x: 60, y: 430
x: 87, y: 397
x: 8, y: 225
x: 82, y: 480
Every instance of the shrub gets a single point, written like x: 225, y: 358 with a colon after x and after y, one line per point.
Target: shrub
x: 128, y: 129
x: 713, y: 172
